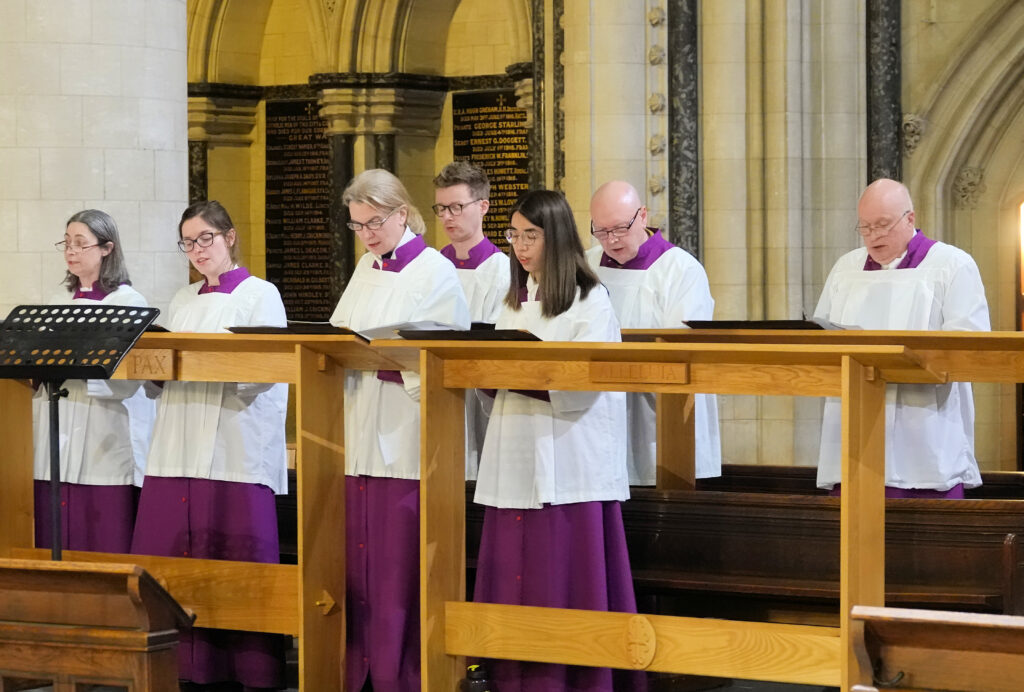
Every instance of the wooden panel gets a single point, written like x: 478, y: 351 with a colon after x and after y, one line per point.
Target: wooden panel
x: 862, y: 510
x: 723, y: 378
x: 442, y: 518
x: 320, y: 470
x: 227, y: 366
x: 16, y: 504
x: 675, y: 442
x: 148, y: 364
x: 750, y: 650
x: 642, y: 373
x: 226, y: 595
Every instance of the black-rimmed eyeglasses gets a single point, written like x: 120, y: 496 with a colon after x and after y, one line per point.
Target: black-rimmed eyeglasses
x: 455, y: 208
x: 202, y: 240
x: 617, y: 231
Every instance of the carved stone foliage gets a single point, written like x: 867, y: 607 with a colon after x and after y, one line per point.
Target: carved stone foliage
x: 913, y: 130
x: 968, y: 187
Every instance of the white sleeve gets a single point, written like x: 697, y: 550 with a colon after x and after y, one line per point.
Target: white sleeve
x: 964, y: 307
x: 597, y: 323
x: 500, y: 276
x: 445, y: 302
x: 267, y: 310
x: 684, y: 291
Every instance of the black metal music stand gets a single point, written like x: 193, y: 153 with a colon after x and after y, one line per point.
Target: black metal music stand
x: 54, y: 343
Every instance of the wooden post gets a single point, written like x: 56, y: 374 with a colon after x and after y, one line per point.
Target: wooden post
x: 16, y: 502
x: 320, y: 471
x: 442, y: 518
x: 862, y: 513
x: 676, y: 441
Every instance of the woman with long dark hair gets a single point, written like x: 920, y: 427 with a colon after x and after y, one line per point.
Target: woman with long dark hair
x: 553, y: 467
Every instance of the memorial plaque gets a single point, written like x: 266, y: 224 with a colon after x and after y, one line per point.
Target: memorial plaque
x: 490, y: 131
x: 298, y: 188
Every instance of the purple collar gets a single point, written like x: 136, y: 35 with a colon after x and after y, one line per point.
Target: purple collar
x: 917, y: 248
x: 97, y: 292
x: 401, y: 256
x: 477, y: 254
x: 648, y: 252
x: 229, y: 281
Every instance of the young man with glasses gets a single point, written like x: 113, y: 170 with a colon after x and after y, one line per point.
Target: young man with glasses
x: 653, y: 284
x: 902, y: 280
x: 461, y: 193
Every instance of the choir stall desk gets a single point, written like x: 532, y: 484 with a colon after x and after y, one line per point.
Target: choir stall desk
x: 452, y: 628
x: 306, y: 599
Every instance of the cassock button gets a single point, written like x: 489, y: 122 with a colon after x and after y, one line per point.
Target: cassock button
x: 519, y: 517
x: 63, y: 503
x: 384, y: 264
x: 184, y: 499
x: 360, y: 545
x: 361, y: 487
x: 185, y: 553
x: 519, y: 577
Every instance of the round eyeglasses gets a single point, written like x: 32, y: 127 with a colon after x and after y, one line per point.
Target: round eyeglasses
x: 524, y: 238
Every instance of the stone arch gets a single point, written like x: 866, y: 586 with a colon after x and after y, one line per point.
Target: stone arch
x: 967, y: 177
x: 968, y: 111
x: 410, y: 35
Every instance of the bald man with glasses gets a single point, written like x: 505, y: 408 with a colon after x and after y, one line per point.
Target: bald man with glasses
x: 902, y: 280
x: 653, y: 284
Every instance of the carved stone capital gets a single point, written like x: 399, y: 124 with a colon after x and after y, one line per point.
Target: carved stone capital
x: 381, y: 110
x: 913, y: 129
x: 656, y: 145
x: 524, y: 98
x: 221, y: 120
x: 656, y: 15
x: 656, y: 55
x: 968, y: 186
x: 656, y: 185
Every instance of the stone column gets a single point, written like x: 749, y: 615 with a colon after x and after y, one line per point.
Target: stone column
x: 683, y: 125
x: 885, y: 110
x: 221, y: 130
x: 92, y: 114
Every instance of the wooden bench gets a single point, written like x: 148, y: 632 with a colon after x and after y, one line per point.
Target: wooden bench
x: 776, y: 557
x: 765, y: 546
x: 924, y: 649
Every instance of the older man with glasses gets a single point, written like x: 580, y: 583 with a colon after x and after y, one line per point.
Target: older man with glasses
x: 653, y: 284
x: 902, y: 280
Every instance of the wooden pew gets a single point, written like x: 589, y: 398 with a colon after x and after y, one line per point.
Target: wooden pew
x: 776, y: 557
x: 922, y: 649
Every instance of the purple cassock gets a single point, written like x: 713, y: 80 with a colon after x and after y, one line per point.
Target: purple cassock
x: 216, y: 520
x: 382, y: 563
x: 477, y: 254
x: 559, y: 556
x: 93, y: 517
x: 917, y: 250
x: 100, y: 518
